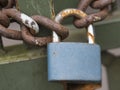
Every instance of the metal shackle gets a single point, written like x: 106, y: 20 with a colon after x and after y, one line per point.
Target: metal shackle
x: 79, y: 14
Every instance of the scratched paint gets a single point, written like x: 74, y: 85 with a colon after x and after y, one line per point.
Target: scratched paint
x: 29, y: 22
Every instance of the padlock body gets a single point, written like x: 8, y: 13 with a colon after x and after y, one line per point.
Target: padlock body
x: 74, y: 62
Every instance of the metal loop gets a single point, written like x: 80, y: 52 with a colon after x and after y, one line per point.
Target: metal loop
x: 100, y: 4
x: 83, y: 4
x: 4, y: 31
x: 3, y: 3
x: 95, y: 4
x: 49, y: 24
x: 84, y: 22
x: 29, y: 38
x: 11, y: 4
x: 62, y: 31
x: 9, y: 33
x: 79, y: 14
x: 7, y: 3
x: 22, y: 18
x: 4, y: 20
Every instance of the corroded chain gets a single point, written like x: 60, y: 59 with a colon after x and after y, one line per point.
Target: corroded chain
x: 5, y: 21
x: 102, y: 5
x: 41, y: 20
x: 3, y: 3
x: 30, y: 25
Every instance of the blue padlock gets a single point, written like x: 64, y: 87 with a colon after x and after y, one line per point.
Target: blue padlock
x: 72, y: 61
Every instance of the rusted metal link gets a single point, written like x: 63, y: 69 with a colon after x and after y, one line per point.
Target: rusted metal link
x: 48, y: 24
x: 83, y: 4
x: 100, y: 4
x: 13, y: 13
x: 4, y: 31
x: 3, y: 3
x: 84, y: 22
x: 11, y: 4
x: 5, y: 15
x: 41, y: 20
x: 9, y: 33
x: 4, y: 20
x: 95, y: 4
x: 22, y: 18
x: 73, y: 12
x: 62, y: 31
x: 4, y: 23
x: 31, y: 23
x: 7, y: 3
x: 29, y: 38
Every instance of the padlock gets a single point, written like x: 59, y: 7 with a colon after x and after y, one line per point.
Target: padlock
x: 72, y: 61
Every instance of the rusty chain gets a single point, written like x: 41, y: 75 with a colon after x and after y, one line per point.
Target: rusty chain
x: 3, y: 3
x: 23, y: 19
x: 4, y: 21
x: 49, y: 24
x: 102, y: 5
x: 41, y: 20
x: 29, y: 27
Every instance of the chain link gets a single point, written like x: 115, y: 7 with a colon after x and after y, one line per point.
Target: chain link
x: 102, y: 5
x: 4, y: 21
x: 3, y: 3
x: 47, y: 23
x: 32, y: 24
x: 11, y: 4
x: 7, y: 4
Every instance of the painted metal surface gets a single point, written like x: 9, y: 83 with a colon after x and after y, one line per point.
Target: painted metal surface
x: 35, y: 7
x: 30, y: 75
x: 112, y: 64
x: 74, y: 62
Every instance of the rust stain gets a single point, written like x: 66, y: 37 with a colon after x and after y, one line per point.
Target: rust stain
x: 73, y: 12
x: 92, y: 37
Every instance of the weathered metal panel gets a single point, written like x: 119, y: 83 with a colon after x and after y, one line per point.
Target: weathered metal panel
x: 30, y: 75
x: 108, y: 33
x: 112, y: 64
x: 35, y: 7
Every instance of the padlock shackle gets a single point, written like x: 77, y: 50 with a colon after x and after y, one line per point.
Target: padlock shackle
x: 79, y: 14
